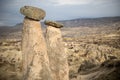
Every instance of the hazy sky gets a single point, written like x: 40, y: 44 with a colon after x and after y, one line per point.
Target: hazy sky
x: 59, y: 9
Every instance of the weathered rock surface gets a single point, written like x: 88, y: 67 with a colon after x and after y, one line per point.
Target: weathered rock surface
x: 35, y: 58
x: 111, y: 63
x: 109, y: 70
x: 54, y: 24
x: 33, y: 12
x: 56, y: 53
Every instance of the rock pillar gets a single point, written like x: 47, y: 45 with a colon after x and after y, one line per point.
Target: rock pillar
x: 35, y: 58
x: 56, y: 51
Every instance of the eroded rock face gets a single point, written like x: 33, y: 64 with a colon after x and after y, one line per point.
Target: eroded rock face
x: 33, y: 12
x: 35, y: 58
x: 108, y: 70
x: 56, y: 53
x: 111, y: 63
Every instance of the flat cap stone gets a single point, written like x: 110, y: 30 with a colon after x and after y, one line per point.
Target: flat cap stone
x: 53, y: 23
x: 33, y: 12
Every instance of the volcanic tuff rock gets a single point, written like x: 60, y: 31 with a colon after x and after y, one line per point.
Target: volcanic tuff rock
x: 36, y: 62
x: 33, y: 12
x: 54, y: 24
x: 34, y: 50
x: 57, y: 54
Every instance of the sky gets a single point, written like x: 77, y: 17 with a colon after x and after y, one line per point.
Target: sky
x: 59, y: 9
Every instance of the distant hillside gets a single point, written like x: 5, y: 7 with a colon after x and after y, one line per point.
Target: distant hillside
x: 91, y: 22
x: 8, y: 32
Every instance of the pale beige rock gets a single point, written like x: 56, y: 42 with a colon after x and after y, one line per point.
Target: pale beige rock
x: 56, y: 53
x: 35, y: 58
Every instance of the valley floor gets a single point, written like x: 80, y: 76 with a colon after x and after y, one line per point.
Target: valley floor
x: 93, y: 54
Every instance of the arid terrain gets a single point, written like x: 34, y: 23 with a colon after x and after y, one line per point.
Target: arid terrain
x: 92, y: 46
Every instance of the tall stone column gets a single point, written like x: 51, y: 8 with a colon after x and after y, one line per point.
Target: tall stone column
x: 56, y: 51
x: 35, y: 58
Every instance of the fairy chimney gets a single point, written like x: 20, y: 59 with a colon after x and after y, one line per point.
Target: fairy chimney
x: 35, y: 58
x: 56, y: 51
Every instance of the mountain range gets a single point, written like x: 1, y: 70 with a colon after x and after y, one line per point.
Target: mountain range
x: 114, y: 22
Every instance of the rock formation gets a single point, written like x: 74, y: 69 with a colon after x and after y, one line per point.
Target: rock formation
x: 56, y: 51
x: 54, y: 24
x: 33, y: 12
x: 35, y: 59
x: 108, y: 70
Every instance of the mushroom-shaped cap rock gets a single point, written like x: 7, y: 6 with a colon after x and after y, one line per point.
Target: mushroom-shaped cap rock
x: 33, y: 12
x: 52, y: 23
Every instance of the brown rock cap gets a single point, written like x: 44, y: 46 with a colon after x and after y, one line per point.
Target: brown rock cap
x: 52, y: 23
x: 33, y: 12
